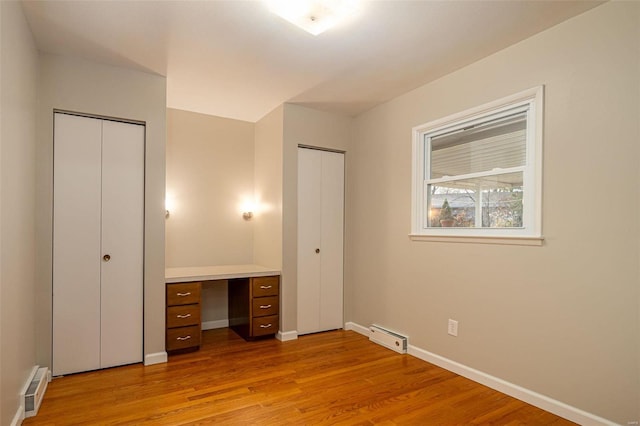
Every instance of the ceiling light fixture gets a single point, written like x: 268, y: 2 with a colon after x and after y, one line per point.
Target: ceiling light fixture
x: 314, y: 16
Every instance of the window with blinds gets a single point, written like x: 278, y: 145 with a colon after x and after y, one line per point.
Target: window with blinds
x: 479, y: 175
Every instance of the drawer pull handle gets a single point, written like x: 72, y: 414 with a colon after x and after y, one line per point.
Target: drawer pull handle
x: 265, y: 287
x: 184, y: 294
x: 265, y: 306
x: 265, y: 325
x: 183, y: 338
x: 183, y: 316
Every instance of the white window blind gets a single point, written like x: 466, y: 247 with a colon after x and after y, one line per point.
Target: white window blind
x: 500, y: 143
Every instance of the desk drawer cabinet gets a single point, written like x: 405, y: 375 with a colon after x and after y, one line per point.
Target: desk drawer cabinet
x: 254, y: 306
x: 265, y: 286
x: 183, y: 316
x: 263, y: 326
x: 183, y: 294
x: 264, y: 306
x: 183, y: 338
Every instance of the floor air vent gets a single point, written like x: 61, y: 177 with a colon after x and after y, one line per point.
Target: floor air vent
x: 387, y: 338
x: 34, y: 391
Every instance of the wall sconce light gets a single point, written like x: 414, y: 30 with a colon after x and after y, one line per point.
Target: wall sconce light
x: 247, y: 207
x: 169, y: 204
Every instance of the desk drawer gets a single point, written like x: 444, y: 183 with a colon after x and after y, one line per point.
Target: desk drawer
x: 263, y: 326
x: 183, y: 315
x: 183, y: 337
x: 265, y: 286
x: 264, y: 306
x: 183, y: 293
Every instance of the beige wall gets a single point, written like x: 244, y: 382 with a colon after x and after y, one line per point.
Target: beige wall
x: 310, y: 127
x: 18, y: 78
x: 87, y: 87
x: 209, y: 175
x: 561, y: 319
x: 267, y: 237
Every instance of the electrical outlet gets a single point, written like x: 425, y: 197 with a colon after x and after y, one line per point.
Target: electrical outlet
x: 452, y: 328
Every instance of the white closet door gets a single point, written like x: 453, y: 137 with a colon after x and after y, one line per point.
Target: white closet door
x: 76, y: 245
x: 320, y: 240
x: 98, y: 212
x: 122, y: 240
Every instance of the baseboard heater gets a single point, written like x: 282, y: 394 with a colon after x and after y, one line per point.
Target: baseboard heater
x: 34, y: 390
x: 389, y: 339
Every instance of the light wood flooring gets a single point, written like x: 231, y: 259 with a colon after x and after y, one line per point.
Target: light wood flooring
x: 336, y: 377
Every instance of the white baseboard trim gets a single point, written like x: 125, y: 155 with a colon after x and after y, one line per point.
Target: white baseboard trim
x: 357, y: 328
x: 285, y: 336
x: 19, y: 417
x: 210, y: 325
x: 538, y: 400
x: 155, y: 358
x: 541, y: 401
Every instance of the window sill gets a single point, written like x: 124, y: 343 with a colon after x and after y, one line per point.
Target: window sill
x: 488, y: 239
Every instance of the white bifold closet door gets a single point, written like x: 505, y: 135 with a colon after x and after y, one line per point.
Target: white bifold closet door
x: 320, y: 240
x: 98, y: 228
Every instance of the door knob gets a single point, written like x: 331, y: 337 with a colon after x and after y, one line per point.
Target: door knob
x: 106, y: 257
x: 317, y: 250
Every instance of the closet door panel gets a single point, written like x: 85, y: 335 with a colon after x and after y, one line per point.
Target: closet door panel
x: 122, y: 241
x: 309, y: 217
x: 320, y: 240
x: 332, y: 220
x: 76, y: 244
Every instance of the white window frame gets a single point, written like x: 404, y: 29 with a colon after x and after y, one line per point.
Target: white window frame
x: 530, y: 100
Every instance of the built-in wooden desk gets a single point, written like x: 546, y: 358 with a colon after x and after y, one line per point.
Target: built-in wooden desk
x: 254, y: 296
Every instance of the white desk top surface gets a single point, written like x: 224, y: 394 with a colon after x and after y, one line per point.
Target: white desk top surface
x: 220, y: 272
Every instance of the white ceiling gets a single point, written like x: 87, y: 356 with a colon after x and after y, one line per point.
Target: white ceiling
x: 235, y: 59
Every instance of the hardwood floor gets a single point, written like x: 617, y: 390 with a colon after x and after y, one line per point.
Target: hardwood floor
x: 328, y: 378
